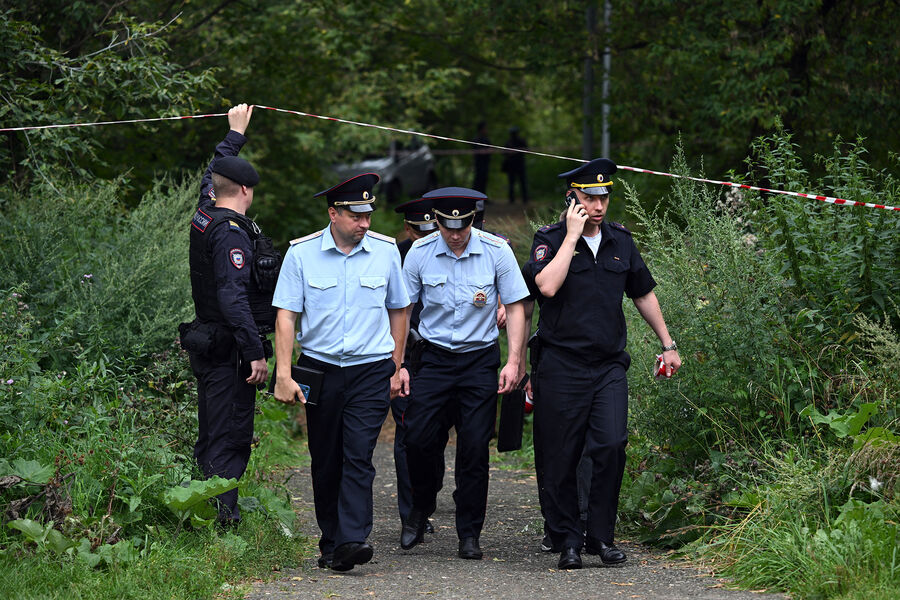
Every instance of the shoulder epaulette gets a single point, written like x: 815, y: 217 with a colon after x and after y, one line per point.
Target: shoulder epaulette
x: 491, y: 238
x: 619, y: 226
x: 382, y: 237
x: 551, y: 227
x: 427, y: 239
x: 306, y: 238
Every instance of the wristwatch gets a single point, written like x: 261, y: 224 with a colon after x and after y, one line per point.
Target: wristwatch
x: 672, y: 346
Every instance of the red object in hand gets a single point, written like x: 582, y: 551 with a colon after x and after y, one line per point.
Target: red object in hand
x: 529, y: 404
x: 660, y: 367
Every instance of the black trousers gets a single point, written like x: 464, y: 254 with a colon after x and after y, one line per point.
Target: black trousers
x: 225, y: 407
x: 343, y: 429
x: 404, y: 487
x: 580, y: 408
x: 457, y: 388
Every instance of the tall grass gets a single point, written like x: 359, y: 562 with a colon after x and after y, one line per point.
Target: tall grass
x: 98, y: 412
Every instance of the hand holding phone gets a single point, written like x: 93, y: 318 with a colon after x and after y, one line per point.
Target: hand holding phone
x: 576, y: 214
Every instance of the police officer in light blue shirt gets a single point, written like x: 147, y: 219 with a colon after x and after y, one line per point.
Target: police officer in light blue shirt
x: 346, y: 284
x: 459, y: 273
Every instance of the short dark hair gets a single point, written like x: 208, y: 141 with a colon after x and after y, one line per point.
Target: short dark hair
x: 224, y: 187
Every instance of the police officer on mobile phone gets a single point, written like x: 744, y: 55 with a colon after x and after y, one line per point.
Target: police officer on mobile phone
x: 581, y: 267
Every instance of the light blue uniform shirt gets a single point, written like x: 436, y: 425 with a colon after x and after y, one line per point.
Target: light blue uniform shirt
x: 342, y: 298
x: 459, y: 294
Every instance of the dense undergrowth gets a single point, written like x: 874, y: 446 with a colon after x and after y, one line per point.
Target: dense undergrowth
x: 774, y: 453
x: 98, y: 411
x: 772, y: 456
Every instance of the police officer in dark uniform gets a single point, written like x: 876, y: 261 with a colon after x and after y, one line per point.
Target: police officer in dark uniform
x: 581, y: 268
x: 418, y: 221
x: 233, y: 273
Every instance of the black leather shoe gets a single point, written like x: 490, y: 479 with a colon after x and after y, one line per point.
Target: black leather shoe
x: 469, y: 548
x: 609, y: 554
x: 429, y: 528
x: 413, y: 532
x: 570, y: 558
x: 348, y: 555
x: 324, y: 561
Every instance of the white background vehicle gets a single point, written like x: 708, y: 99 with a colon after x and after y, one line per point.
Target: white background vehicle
x: 406, y: 170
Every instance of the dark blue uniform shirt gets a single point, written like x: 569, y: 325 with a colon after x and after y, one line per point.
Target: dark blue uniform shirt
x: 593, y: 290
x: 232, y: 256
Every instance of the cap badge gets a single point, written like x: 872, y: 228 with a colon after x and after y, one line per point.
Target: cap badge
x: 427, y: 217
x: 480, y: 299
x: 455, y: 213
x: 600, y: 177
x: 365, y: 195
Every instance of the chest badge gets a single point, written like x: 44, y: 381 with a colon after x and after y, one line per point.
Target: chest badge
x: 480, y: 299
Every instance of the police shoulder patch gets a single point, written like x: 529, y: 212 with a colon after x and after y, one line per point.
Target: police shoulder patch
x: 619, y: 226
x: 426, y: 240
x: 237, y: 257
x: 382, y: 237
x: 306, y: 238
x: 550, y: 227
x: 490, y: 238
x: 233, y: 225
x: 540, y: 253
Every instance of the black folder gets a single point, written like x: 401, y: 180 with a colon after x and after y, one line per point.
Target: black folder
x: 512, y: 418
x: 304, y: 376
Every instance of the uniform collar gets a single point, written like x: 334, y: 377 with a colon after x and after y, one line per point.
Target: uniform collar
x: 329, y: 244
x: 475, y: 246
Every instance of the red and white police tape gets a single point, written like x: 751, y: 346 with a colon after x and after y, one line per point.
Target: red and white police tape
x: 828, y: 199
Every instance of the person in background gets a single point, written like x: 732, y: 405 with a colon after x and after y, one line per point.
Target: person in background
x: 481, y: 159
x: 514, y: 165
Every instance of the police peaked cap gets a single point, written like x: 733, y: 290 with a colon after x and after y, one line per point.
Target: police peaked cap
x: 455, y: 207
x: 593, y: 178
x: 236, y: 169
x: 417, y: 213
x: 355, y: 193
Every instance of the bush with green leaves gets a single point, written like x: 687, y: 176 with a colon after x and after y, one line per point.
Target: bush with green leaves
x: 102, y: 282
x: 98, y: 403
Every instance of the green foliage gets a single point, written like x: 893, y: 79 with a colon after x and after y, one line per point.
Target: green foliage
x: 67, y: 62
x: 98, y: 414
x: 84, y: 266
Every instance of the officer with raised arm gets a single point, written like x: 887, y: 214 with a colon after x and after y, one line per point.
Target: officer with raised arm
x: 233, y: 272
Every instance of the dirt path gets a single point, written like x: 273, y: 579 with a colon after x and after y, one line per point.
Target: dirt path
x: 513, y: 566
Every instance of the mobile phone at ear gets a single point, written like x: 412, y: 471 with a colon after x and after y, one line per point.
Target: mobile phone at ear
x: 571, y: 195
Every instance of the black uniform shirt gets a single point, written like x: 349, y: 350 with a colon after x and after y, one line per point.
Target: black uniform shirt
x: 231, y: 252
x: 585, y: 315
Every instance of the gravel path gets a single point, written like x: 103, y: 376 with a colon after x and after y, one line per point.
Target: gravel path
x: 513, y: 566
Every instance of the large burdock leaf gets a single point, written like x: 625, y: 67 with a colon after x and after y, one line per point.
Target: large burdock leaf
x: 181, y: 498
